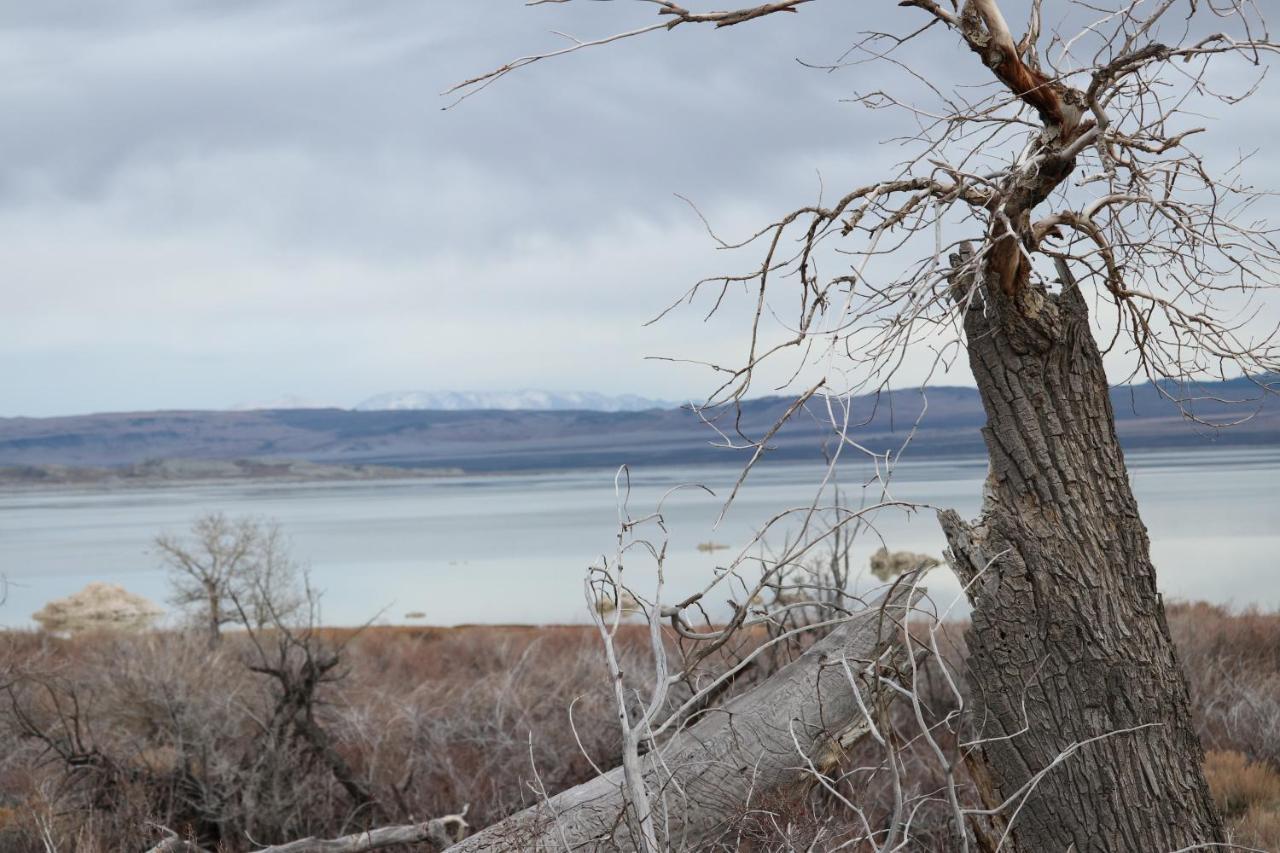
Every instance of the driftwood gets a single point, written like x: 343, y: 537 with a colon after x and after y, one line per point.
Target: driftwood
x: 763, y: 744
x: 440, y: 833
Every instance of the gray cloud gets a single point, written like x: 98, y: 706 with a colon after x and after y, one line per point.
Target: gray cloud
x: 211, y: 202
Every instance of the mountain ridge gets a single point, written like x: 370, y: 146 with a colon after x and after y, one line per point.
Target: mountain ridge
x: 518, y: 440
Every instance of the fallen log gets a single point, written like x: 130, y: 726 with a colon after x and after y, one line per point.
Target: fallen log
x: 764, y: 744
x: 440, y: 832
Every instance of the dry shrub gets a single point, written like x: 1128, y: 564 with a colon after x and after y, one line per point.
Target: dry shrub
x: 432, y: 719
x: 482, y: 716
x: 1259, y: 829
x: 1232, y: 663
x: 101, y: 735
x: 1248, y: 793
x: 1239, y: 784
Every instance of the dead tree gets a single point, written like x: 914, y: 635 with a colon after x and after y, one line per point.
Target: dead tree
x: 759, y: 745
x: 224, y: 559
x: 1069, y: 180
x: 302, y: 665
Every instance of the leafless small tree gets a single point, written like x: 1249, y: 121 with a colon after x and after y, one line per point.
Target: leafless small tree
x: 231, y: 570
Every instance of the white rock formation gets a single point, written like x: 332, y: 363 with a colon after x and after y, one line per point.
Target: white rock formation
x: 886, y: 564
x: 98, y: 607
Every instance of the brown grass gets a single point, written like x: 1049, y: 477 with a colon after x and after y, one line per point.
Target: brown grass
x: 1248, y: 793
x: 1259, y: 828
x: 438, y: 718
x: 1239, y: 784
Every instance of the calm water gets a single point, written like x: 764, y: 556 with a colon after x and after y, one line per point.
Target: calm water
x: 514, y: 548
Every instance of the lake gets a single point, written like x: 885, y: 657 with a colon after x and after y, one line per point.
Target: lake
x: 514, y: 548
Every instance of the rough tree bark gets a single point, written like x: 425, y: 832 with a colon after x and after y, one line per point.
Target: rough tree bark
x: 1068, y: 639
x: 754, y: 747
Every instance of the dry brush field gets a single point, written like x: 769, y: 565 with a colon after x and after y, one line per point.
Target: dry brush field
x: 104, y: 738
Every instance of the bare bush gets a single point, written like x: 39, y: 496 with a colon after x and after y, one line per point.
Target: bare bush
x: 101, y: 739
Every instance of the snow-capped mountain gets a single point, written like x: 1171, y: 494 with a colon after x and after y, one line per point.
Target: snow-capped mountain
x: 288, y: 401
x: 509, y: 400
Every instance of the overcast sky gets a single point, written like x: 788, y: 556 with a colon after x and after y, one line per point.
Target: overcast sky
x: 212, y: 202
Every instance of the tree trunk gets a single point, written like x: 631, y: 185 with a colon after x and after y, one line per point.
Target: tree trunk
x: 1069, y: 651
x: 706, y: 778
x: 215, y: 616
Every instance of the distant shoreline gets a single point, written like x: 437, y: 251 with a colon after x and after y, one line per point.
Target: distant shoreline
x: 182, y: 473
